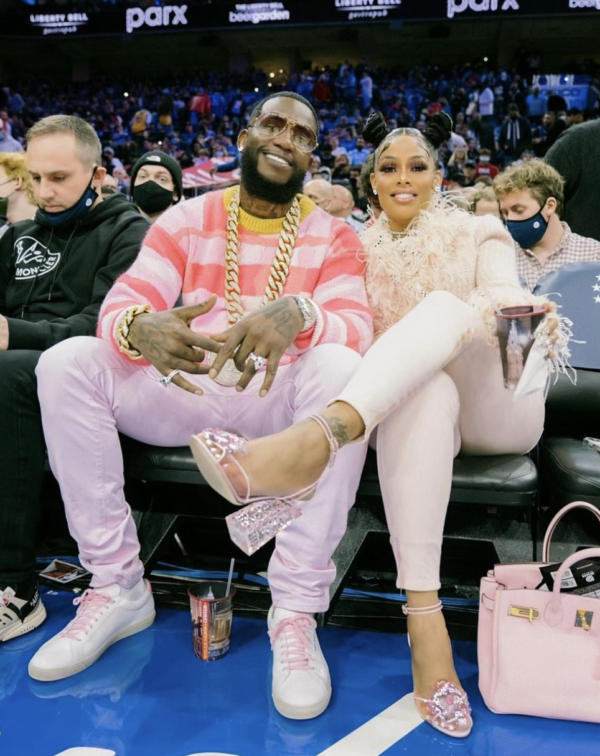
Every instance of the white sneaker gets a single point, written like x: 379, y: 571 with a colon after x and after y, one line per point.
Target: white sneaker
x: 301, y: 684
x: 104, y: 616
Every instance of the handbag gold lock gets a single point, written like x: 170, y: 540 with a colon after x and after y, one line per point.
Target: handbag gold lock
x: 525, y: 612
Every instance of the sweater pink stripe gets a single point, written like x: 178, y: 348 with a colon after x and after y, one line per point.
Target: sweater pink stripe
x: 183, y: 256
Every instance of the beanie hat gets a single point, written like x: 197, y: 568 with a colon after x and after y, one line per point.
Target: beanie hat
x: 157, y: 157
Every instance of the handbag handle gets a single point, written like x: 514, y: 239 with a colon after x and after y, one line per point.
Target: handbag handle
x: 553, y: 612
x: 558, y: 517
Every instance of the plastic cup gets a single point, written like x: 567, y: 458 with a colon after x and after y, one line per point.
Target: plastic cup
x: 212, y: 612
x: 516, y: 327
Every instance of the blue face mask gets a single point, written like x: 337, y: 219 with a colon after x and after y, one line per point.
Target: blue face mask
x: 75, y: 212
x: 528, y: 232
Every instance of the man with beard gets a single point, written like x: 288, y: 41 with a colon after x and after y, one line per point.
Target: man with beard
x: 271, y: 285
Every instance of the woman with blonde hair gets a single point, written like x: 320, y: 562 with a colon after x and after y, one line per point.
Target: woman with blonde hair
x: 458, y: 158
x: 432, y: 385
x: 16, y: 193
x: 483, y: 201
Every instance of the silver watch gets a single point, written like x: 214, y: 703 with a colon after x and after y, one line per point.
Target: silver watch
x: 308, y: 311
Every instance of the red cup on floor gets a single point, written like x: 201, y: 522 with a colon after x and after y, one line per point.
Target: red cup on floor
x: 212, y: 612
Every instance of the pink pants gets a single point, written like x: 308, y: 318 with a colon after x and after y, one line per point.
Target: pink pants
x: 88, y: 394
x: 433, y: 387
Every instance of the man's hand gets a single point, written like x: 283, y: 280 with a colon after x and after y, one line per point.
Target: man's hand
x: 267, y: 333
x: 166, y: 340
x: 3, y: 333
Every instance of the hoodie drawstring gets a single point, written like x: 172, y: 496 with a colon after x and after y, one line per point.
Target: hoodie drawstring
x: 41, y: 265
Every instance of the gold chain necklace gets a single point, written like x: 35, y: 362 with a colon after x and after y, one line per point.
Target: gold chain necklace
x: 280, y: 268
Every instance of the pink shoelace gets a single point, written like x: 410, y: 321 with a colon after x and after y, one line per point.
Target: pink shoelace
x: 90, y: 603
x: 297, y: 653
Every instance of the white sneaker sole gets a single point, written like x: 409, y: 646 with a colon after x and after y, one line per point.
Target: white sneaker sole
x: 49, y: 675
x: 31, y: 622
x: 301, y: 712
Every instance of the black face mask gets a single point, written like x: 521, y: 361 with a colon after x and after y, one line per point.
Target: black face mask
x: 152, y: 198
x: 269, y: 191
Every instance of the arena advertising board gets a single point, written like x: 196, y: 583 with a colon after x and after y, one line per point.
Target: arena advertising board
x: 230, y: 14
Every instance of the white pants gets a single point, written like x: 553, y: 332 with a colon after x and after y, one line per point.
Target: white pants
x: 433, y: 387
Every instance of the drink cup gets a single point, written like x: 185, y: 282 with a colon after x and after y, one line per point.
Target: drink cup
x: 211, y: 608
x: 516, y: 327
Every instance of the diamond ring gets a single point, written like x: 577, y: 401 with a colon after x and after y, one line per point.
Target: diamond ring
x: 258, y: 361
x: 166, y: 379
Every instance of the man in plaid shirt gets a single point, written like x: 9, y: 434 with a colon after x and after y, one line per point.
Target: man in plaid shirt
x: 531, y: 197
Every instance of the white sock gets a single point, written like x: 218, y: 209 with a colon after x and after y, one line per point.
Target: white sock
x: 280, y: 613
x: 115, y: 590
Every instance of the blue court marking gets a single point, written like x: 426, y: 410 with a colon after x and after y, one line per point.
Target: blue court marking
x: 149, y: 696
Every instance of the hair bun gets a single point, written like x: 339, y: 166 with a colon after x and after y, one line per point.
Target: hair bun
x: 438, y: 129
x: 376, y: 129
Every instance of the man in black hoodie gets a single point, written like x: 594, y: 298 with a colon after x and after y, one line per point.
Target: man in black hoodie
x: 55, y: 270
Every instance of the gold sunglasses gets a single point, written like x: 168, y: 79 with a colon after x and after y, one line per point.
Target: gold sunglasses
x: 269, y: 125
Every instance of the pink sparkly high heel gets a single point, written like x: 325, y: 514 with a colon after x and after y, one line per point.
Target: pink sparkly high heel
x: 448, y: 709
x: 263, y: 517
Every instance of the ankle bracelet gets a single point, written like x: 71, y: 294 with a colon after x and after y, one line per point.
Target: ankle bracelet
x: 334, y: 446
x: 422, y: 609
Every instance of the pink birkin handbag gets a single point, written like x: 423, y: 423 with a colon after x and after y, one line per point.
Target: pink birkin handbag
x: 539, y: 651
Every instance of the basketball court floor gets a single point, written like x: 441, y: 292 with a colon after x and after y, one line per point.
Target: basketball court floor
x: 149, y: 696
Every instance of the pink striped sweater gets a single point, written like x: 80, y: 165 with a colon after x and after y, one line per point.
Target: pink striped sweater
x: 184, y: 254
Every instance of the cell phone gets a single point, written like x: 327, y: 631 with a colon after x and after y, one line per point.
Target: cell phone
x: 593, y: 443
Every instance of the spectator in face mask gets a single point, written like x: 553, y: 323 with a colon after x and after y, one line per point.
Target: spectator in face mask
x: 515, y: 132
x: 55, y: 271
x: 157, y: 183
x: 484, y: 166
x: 531, y: 198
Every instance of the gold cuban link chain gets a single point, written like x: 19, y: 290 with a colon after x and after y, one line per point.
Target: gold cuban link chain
x: 280, y: 268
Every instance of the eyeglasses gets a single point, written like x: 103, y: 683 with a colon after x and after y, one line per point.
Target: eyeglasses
x: 269, y: 125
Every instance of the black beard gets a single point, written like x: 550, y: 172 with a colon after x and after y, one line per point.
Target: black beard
x: 270, y: 191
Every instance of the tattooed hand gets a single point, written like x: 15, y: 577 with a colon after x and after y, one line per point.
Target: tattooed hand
x: 268, y: 332
x: 166, y: 340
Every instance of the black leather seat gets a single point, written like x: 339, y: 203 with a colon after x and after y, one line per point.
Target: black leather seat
x: 507, y: 480
x: 570, y: 469
x: 499, y: 481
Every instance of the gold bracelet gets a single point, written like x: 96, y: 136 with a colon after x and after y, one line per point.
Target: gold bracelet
x: 123, y: 328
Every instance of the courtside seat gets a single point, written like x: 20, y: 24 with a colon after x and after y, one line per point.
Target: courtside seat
x: 570, y: 469
x: 500, y: 481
